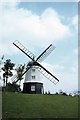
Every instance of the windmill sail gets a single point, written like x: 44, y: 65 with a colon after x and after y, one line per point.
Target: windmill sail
x: 45, y: 53
x: 24, y: 50
x: 15, y: 78
x: 41, y: 57
x: 47, y: 74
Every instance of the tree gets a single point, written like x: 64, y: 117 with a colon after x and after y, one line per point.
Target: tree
x: 1, y: 62
x: 64, y: 93
x: 7, y: 68
x: 13, y: 87
x: 20, y: 70
x: 49, y: 93
x: 60, y: 92
x: 46, y: 92
x: 70, y: 94
x: 56, y: 93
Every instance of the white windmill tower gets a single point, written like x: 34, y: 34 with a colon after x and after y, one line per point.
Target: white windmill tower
x: 33, y: 81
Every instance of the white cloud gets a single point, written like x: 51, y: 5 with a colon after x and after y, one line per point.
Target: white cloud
x: 29, y: 28
x: 52, y: 21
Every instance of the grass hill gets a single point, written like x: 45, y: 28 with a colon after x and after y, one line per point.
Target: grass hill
x: 39, y: 106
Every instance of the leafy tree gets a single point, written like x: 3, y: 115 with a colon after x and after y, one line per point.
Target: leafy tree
x: 70, y: 94
x: 60, y: 92
x: 49, y: 93
x: 64, y: 93
x: 20, y: 70
x: 7, y: 68
x: 56, y: 93
x: 46, y: 92
x: 1, y: 62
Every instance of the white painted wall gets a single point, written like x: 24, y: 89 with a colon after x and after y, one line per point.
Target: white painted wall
x: 30, y: 73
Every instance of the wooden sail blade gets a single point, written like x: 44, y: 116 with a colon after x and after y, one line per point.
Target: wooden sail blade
x: 15, y: 78
x: 45, y: 53
x: 24, y: 50
x: 47, y: 74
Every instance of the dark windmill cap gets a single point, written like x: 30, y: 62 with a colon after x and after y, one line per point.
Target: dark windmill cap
x: 32, y: 63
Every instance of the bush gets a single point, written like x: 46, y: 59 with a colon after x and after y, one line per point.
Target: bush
x: 56, y: 93
x: 64, y: 94
x: 12, y: 88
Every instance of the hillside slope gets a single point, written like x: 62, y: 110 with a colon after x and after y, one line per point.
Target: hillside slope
x: 39, y: 106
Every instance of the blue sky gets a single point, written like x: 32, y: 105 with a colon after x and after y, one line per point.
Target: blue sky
x: 61, y: 7
x: 36, y: 25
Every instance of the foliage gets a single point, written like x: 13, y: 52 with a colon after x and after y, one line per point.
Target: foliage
x: 64, y: 93
x: 8, y: 66
x: 1, y: 63
x: 56, y: 93
x: 20, y: 70
x: 11, y: 88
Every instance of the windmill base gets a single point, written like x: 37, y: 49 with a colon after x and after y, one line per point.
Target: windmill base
x: 33, y: 88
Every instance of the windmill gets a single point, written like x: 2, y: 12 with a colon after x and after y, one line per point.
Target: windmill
x: 33, y: 82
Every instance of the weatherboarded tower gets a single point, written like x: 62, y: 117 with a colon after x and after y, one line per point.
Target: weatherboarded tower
x: 33, y: 81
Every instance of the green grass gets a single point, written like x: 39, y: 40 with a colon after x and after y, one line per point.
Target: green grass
x: 39, y: 106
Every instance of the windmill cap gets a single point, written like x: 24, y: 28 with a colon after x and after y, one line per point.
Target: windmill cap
x: 32, y: 63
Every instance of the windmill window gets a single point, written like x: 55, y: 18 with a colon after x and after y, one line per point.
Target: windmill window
x: 33, y: 77
x: 33, y: 70
x: 32, y: 88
